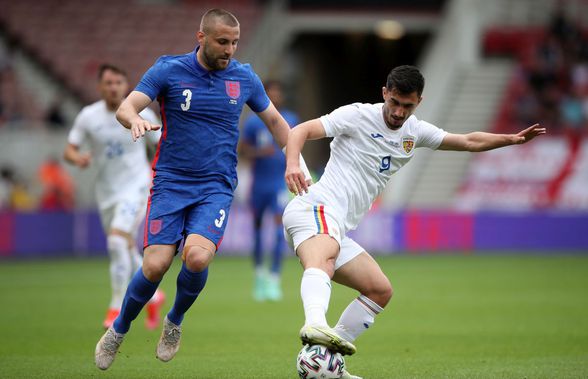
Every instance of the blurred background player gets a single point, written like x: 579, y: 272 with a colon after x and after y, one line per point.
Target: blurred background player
x: 268, y: 194
x: 122, y: 183
x: 371, y: 142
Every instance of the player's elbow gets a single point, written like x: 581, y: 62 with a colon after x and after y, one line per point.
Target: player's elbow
x: 474, y: 148
x: 122, y: 113
x: 477, y: 142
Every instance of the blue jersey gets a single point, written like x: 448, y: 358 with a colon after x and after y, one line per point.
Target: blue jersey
x: 200, y: 112
x: 268, y: 171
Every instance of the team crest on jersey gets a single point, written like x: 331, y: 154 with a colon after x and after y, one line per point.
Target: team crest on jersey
x: 155, y: 226
x: 233, y: 89
x: 408, y: 144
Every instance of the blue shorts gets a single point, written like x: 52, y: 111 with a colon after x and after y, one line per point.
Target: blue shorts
x: 176, y: 210
x: 274, y: 202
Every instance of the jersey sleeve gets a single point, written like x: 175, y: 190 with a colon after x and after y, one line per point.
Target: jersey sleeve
x: 154, y: 81
x: 342, y: 120
x: 258, y: 100
x: 149, y: 115
x: 77, y: 134
x: 429, y: 135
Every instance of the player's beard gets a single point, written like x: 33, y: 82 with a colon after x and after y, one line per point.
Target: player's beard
x: 214, y: 62
x: 391, y: 122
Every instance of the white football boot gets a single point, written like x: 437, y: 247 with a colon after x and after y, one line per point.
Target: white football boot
x: 169, y: 342
x: 317, y: 335
x: 107, y: 348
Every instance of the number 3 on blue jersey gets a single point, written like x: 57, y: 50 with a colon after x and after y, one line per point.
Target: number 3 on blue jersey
x: 219, y: 221
x: 188, y: 95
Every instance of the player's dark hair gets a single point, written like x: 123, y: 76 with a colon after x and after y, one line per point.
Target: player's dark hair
x: 110, y: 67
x: 226, y: 17
x: 406, y: 80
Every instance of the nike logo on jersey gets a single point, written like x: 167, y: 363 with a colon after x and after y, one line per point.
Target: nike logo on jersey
x: 377, y: 135
x: 187, y: 85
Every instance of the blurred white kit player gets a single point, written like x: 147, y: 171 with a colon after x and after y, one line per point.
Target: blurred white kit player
x: 371, y: 142
x: 122, y: 183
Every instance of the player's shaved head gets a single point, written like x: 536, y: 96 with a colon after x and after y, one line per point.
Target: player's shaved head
x: 211, y: 17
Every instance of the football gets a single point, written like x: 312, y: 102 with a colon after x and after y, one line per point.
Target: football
x: 318, y: 362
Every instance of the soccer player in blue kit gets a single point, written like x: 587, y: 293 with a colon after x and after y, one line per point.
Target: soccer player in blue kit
x: 201, y: 96
x: 268, y: 193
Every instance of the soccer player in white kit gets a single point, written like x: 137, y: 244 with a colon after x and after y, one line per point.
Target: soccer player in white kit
x: 371, y: 142
x: 122, y: 183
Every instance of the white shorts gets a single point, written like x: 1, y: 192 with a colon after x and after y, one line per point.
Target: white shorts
x: 303, y: 220
x: 125, y: 215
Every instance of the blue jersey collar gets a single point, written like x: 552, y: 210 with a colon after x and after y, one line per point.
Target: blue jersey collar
x: 199, y: 69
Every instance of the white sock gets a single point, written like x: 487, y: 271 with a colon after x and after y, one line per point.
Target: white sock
x: 274, y: 278
x: 260, y: 272
x: 315, y: 290
x: 357, y: 318
x: 136, y: 259
x: 120, y: 268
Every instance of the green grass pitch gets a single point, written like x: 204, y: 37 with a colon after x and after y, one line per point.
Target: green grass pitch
x: 451, y: 317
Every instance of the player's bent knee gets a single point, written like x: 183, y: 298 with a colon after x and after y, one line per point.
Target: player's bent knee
x: 197, y: 258
x: 116, y: 245
x: 386, y: 294
x: 154, y: 269
x: 380, y: 292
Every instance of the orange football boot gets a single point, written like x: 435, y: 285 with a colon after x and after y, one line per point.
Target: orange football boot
x: 153, y: 308
x: 111, y: 315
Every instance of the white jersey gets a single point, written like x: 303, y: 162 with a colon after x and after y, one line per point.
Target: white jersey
x: 123, y: 169
x: 364, y: 155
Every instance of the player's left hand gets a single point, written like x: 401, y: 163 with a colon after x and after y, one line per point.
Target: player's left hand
x: 528, y: 134
x: 295, y: 180
x: 140, y: 126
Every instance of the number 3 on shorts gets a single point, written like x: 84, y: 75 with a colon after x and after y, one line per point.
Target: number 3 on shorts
x: 219, y: 221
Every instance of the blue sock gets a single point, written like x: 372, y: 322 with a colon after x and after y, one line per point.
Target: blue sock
x: 278, y: 251
x: 189, y: 285
x: 257, y: 254
x: 139, y: 291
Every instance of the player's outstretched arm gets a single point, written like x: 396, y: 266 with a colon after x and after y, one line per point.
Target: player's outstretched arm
x: 294, y: 176
x: 128, y: 115
x: 481, y: 141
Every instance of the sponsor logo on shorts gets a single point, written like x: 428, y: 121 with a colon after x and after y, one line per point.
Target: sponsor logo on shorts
x: 213, y: 230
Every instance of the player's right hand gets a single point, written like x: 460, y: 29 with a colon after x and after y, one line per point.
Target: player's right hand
x: 295, y: 180
x: 84, y: 160
x: 139, y: 127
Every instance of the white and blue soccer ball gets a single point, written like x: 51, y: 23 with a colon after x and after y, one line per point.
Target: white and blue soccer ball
x: 318, y: 362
